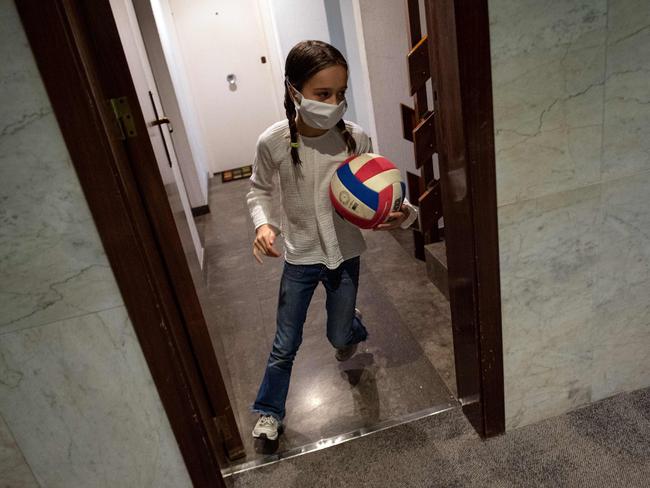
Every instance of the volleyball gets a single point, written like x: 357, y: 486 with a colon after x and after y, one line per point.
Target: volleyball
x: 365, y: 189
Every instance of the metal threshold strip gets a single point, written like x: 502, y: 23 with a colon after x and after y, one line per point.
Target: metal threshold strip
x: 339, y: 439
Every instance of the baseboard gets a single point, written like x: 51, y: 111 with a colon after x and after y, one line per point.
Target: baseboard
x: 202, y: 210
x: 436, y: 258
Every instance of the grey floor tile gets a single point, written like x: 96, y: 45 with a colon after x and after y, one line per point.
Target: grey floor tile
x: 392, y: 374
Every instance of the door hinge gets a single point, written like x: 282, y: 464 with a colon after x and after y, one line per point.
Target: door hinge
x: 124, y: 117
x: 222, y: 425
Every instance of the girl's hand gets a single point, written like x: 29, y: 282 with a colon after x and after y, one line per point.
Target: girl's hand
x: 263, y: 244
x: 394, y: 220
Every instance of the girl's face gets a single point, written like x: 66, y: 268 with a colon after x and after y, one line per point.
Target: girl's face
x: 327, y: 86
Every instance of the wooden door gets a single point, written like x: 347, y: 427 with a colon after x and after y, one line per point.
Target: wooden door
x: 455, y: 56
x: 80, y: 56
x: 158, y: 125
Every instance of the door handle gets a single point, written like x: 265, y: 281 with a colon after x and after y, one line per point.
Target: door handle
x: 160, y: 121
x: 232, y: 81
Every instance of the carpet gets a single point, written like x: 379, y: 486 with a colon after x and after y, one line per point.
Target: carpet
x: 603, y: 445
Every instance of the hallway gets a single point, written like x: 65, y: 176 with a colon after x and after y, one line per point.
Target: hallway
x: 391, y: 376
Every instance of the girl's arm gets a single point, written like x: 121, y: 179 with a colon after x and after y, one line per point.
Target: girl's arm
x: 408, y: 213
x: 411, y: 213
x: 262, y: 189
x: 260, y: 203
x: 403, y: 218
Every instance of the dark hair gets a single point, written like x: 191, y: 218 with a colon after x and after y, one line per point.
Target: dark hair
x: 305, y: 60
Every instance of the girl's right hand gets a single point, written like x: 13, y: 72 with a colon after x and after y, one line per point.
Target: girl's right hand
x: 263, y: 244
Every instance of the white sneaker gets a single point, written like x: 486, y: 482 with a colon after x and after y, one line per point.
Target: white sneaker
x: 267, y: 427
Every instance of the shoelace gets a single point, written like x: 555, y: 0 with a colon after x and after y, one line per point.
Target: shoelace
x: 267, y: 420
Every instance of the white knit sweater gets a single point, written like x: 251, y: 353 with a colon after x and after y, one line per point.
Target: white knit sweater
x: 313, y: 232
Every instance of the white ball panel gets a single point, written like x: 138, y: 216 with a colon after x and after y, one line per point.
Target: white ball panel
x: 360, y: 160
x: 349, y: 201
x: 384, y: 179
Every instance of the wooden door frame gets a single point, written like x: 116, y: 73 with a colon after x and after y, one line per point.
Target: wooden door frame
x: 128, y: 202
x: 80, y: 57
x: 459, y: 55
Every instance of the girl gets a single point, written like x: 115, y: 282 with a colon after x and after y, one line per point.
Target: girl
x: 320, y: 247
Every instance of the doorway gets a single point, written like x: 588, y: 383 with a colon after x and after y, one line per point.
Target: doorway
x: 86, y: 21
x: 395, y: 375
x: 391, y: 379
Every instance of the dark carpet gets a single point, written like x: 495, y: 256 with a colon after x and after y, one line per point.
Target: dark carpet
x: 606, y: 444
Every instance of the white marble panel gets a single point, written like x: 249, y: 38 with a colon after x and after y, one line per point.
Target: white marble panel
x: 621, y: 331
x: 548, y: 67
x: 22, y: 95
x: 79, y: 399
x: 519, y: 26
x: 14, y: 471
x: 626, y: 145
x: 572, y: 117
x: 548, y: 252
x: 51, y: 260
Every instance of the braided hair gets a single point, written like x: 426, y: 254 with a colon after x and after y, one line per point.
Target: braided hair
x: 305, y: 60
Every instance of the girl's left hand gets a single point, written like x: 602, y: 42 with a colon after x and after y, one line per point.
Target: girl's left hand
x: 394, y: 220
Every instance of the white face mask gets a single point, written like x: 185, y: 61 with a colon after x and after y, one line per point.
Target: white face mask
x: 318, y: 115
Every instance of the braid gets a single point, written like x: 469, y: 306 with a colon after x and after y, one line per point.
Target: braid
x: 347, y: 137
x: 290, y: 109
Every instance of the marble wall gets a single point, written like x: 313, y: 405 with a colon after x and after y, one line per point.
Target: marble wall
x: 571, y: 88
x: 78, y: 402
x: 14, y: 471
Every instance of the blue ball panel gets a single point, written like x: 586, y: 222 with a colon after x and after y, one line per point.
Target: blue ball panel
x: 357, y: 188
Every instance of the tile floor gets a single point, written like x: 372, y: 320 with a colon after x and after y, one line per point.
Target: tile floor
x: 405, y: 366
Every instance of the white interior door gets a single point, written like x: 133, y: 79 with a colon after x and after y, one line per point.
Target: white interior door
x: 220, y: 38
x: 149, y: 100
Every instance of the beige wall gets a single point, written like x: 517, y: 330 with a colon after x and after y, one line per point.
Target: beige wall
x: 572, y: 117
x: 385, y: 34
x: 79, y: 405
x: 217, y: 39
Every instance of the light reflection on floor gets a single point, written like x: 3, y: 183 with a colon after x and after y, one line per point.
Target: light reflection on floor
x: 392, y: 375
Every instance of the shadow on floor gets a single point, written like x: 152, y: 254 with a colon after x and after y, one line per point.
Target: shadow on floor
x: 392, y: 375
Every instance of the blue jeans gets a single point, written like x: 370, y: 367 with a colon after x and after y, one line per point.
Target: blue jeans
x: 343, y: 328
